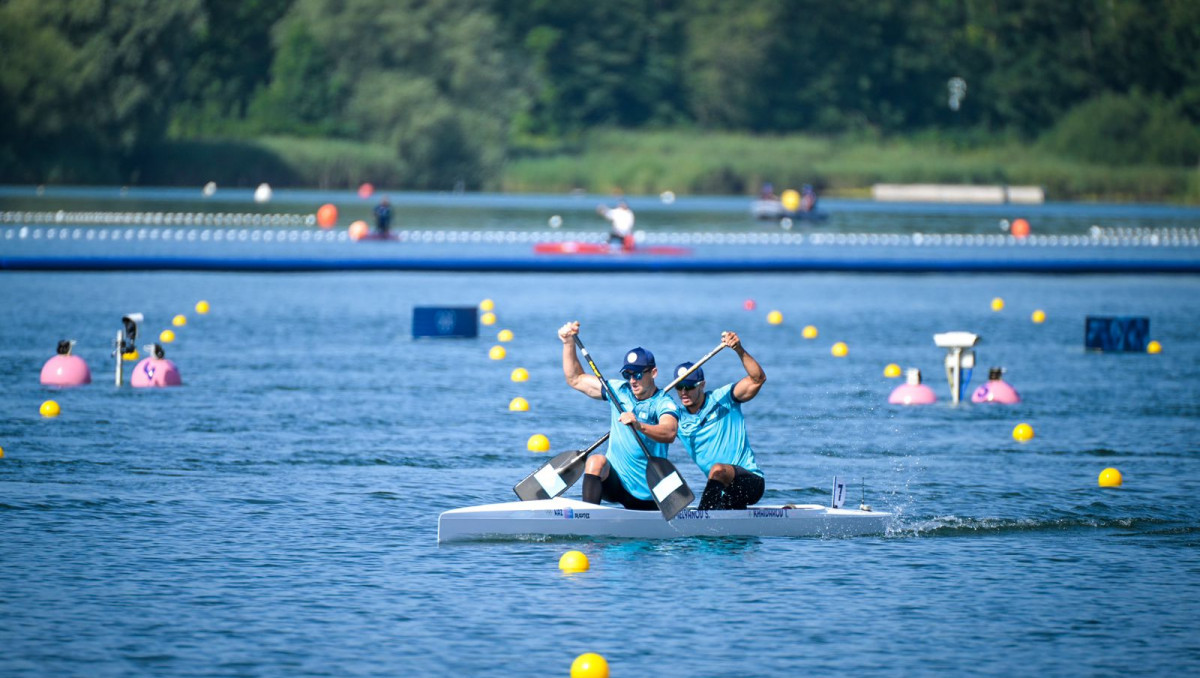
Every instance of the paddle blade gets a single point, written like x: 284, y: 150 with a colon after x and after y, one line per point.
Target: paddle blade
x: 553, y: 478
x: 671, y: 492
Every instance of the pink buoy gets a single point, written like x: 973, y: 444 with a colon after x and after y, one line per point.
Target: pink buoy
x: 65, y: 369
x: 912, y: 392
x: 996, y: 390
x: 155, y: 372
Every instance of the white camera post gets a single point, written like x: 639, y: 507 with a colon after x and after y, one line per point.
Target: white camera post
x: 959, y: 357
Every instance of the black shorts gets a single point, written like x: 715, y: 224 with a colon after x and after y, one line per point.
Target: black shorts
x: 615, y: 492
x: 746, y: 489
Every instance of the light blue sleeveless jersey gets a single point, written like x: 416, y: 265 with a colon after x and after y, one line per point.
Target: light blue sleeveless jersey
x: 717, y: 433
x: 624, y: 453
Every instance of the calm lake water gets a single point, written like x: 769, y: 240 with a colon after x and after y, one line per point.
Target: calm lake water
x: 277, y: 514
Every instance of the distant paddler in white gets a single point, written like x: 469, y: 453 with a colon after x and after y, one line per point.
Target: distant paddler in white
x: 621, y: 219
x: 619, y: 475
x: 713, y: 431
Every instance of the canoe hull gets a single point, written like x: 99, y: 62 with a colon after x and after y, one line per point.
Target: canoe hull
x: 573, y: 518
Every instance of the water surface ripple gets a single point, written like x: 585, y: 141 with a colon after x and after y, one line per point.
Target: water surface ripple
x: 277, y: 515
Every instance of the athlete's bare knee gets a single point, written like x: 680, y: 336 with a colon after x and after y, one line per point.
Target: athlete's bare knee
x: 722, y: 473
x: 596, y: 465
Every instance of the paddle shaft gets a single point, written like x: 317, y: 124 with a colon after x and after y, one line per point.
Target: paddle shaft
x: 567, y: 469
x: 611, y: 394
x: 591, y: 448
x: 584, y: 453
x: 694, y: 367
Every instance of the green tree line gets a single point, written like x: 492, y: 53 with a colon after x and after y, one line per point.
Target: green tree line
x: 437, y: 93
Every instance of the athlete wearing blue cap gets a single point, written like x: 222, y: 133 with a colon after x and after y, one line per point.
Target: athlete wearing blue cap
x: 713, y: 431
x: 619, y: 475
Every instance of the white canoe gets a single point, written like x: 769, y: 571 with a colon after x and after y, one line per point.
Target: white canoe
x: 563, y: 517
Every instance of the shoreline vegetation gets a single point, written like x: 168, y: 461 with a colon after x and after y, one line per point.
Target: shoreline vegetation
x: 1088, y: 101
x: 636, y: 162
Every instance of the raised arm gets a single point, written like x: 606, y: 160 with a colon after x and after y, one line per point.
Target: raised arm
x: 749, y: 385
x: 577, y: 379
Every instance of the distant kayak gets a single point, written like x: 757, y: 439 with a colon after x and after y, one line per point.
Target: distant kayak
x: 774, y: 210
x: 576, y: 247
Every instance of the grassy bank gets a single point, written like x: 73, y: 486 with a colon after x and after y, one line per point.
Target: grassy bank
x: 688, y: 163
x: 693, y: 163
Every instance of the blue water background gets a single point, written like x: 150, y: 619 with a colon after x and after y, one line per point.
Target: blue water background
x: 277, y: 515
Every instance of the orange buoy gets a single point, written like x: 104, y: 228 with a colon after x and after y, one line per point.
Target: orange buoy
x: 327, y: 216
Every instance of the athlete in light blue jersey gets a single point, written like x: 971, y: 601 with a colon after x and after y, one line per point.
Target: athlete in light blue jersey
x: 619, y: 475
x: 713, y: 431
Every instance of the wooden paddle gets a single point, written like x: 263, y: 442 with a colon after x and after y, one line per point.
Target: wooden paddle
x: 565, y: 469
x: 668, y: 488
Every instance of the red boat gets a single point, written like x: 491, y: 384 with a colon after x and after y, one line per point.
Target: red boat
x: 576, y: 247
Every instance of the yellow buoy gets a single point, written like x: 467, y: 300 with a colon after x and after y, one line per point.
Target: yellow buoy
x: 518, y: 404
x: 49, y: 409
x: 520, y: 374
x: 1, y: 452
x: 166, y: 336
x: 1022, y: 433
x: 504, y: 335
x: 179, y: 320
x: 809, y: 332
x: 488, y: 318
x: 790, y: 200
x: 589, y: 665
x: 1039, y: 316
x: 774, y: 317
x: 1110, y: 477
x: 1154, y: 347
x: 202, y: 307
x: 497, y: 352
x: 132, y: 355
x: 487, y: 305
x: 840, y: 349
x: 997, y: 304
x: 573, y: 561
x: 891, y: 371
x: 538, y: 443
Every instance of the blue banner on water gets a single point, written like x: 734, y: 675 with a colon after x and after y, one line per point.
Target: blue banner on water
x: 445, y: 321
x: 1102, y: 333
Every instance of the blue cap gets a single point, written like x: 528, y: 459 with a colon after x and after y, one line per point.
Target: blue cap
x: 638, y: 359
x: 693, y: 378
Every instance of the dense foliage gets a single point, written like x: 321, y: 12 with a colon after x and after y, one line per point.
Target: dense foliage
x: 451, y: 90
